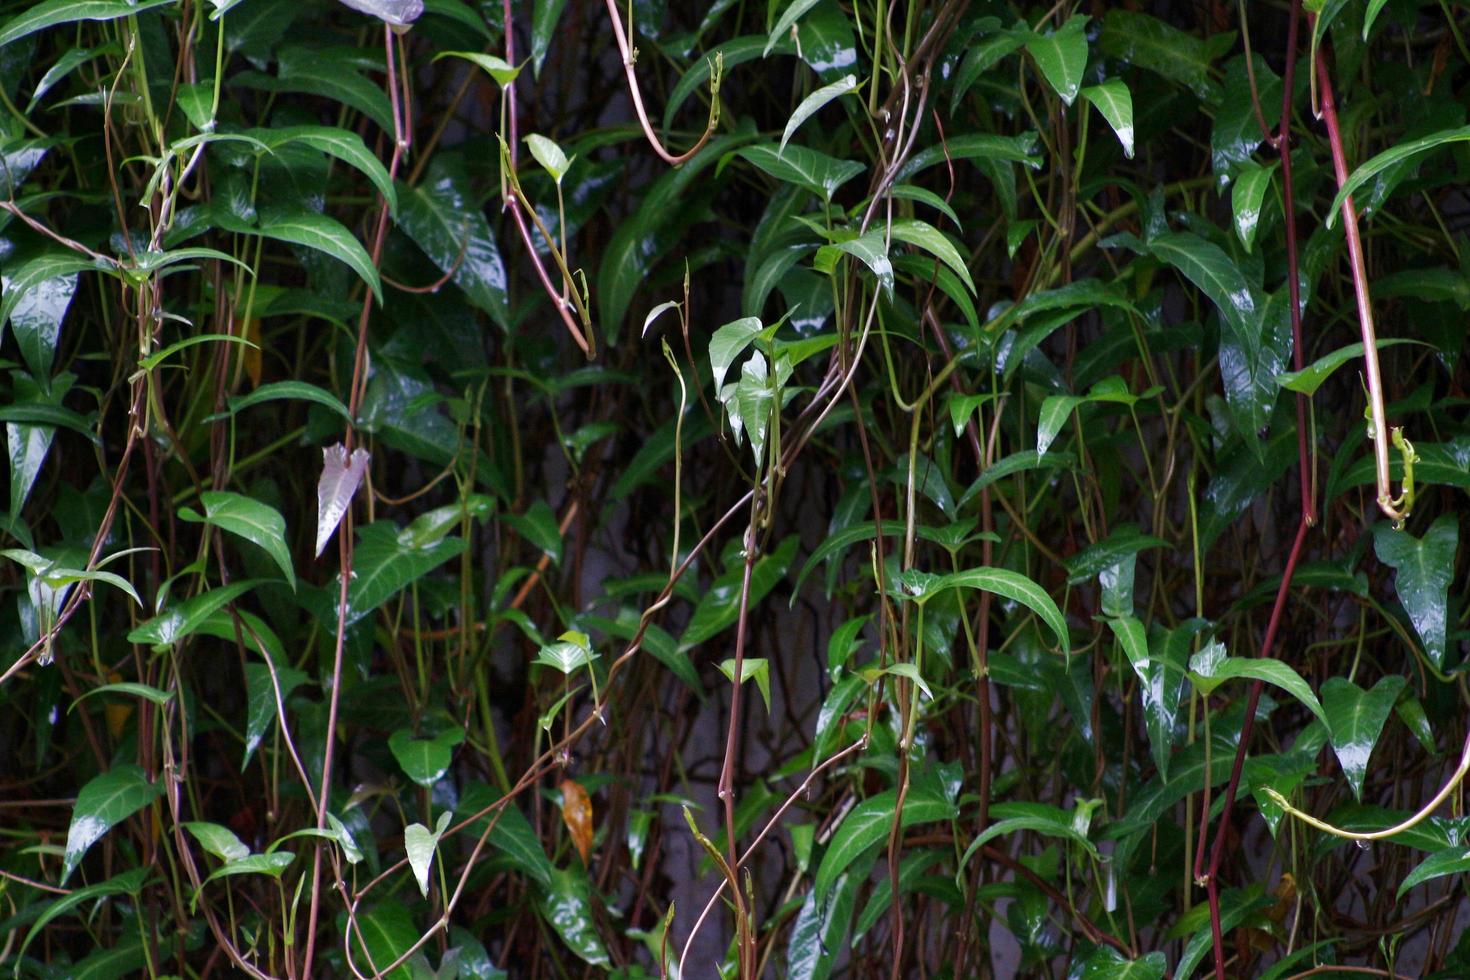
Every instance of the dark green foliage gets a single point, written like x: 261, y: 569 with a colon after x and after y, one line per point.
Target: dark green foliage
x: 414, y: 450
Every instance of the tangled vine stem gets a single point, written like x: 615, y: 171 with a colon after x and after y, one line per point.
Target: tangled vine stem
x: 1427, y: 810
x: 1395, y: 508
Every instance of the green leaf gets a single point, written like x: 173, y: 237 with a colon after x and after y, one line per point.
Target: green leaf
x: 496, y: 68
x: 144, y: 691
x: 1355, y: 718
x: 1236, y: 133
x: 291, y: 391
x: 104, y: 802
x: 36, y: 296
x: 331, y: 73
x: 217, y: 840
x: 1115, y: 102
x: 870, y: 822
x: 822, y: 924
x: 571, y: 652
x: 1310, y: 378
x: 545, y: 15
x: 1394, y: 155
x: 1061, y: 55
x: 130, y: 882
x: 425, y: 760
x: 52, y: 13
x: 445, y: 222
x: 324, y: 234
x: 1454, y: 861
x: 781, y: 31
x: 924, y: 235
x: 538, y: 526
x: 334, y: 142
x: 1211, y: 667
x: 720, y: 605
x: 158, y: 357
x: 259, y: 523
x: 728, y: 342
x: 1125, y: 541
x: 1246, y: 198
x: 1106, y: 963
x: 1017, y: 587
x: 513, y: 834
x: 384, y: 933
x: 812, y: 103
x: 870, y: 249
x: 551, y: 157
x: 260, y: 696
x: 1040, y: 818
x: 1150, y: 43
x: 974, y: 146
x: 566, y: 903
x: 1425, y: 568
x: 753, y: 668
x: 803, y: 166
x: 420, y: 843
x: 181, y: 619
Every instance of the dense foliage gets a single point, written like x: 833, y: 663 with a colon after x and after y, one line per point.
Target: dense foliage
x: 420, y: 415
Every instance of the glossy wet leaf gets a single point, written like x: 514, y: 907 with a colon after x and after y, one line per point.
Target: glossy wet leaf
x: 217, y: 840
x: 260, y: 696
x: 1016, y: 587
x: 757, y: 669
x: 129, y: 882
x: 51, y: 13
x: 925, y: 236
x: 1355, y: 719
x: 128, y: 689
x: 39, y: 292
x: 1061, y: 55
x: 1452, y: 861
x: 539, y: 526
x: 1211, y: 667
x: 551, y: 157
x: 1106, y: 963
x: 1310, y: 378
x: 545, y: 15
x: 424, y: 760
x: 179, y: 620
x: 1247, y: 198
x: 326, y: 235
x: 104, y: 802
x: 1037, y: 818
x: 1424, y: 569
x: 813, y: 103
x: 335, y: 489
x: 256, y: 522
x: 1125, y: 541
x: 442, y: 218
x: 1148, y: 42
x: 494, y: 66
x: 870, y: 249
x: 513, y: 835
x: 571, y: 652
x: 728, y: 342
x: 338, y: 143
x: 822, y: 924
x: 420, y: 843
x: 291, y: 391
x: 870, y: 822
x: 384, y: 564
x: 719, y: 607
x: 1399, y: 153
x: 1236, y: 134
x: 385, y: 932
x: 1115, y: 102
x: 566, y: 904
x: 819, y: 172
